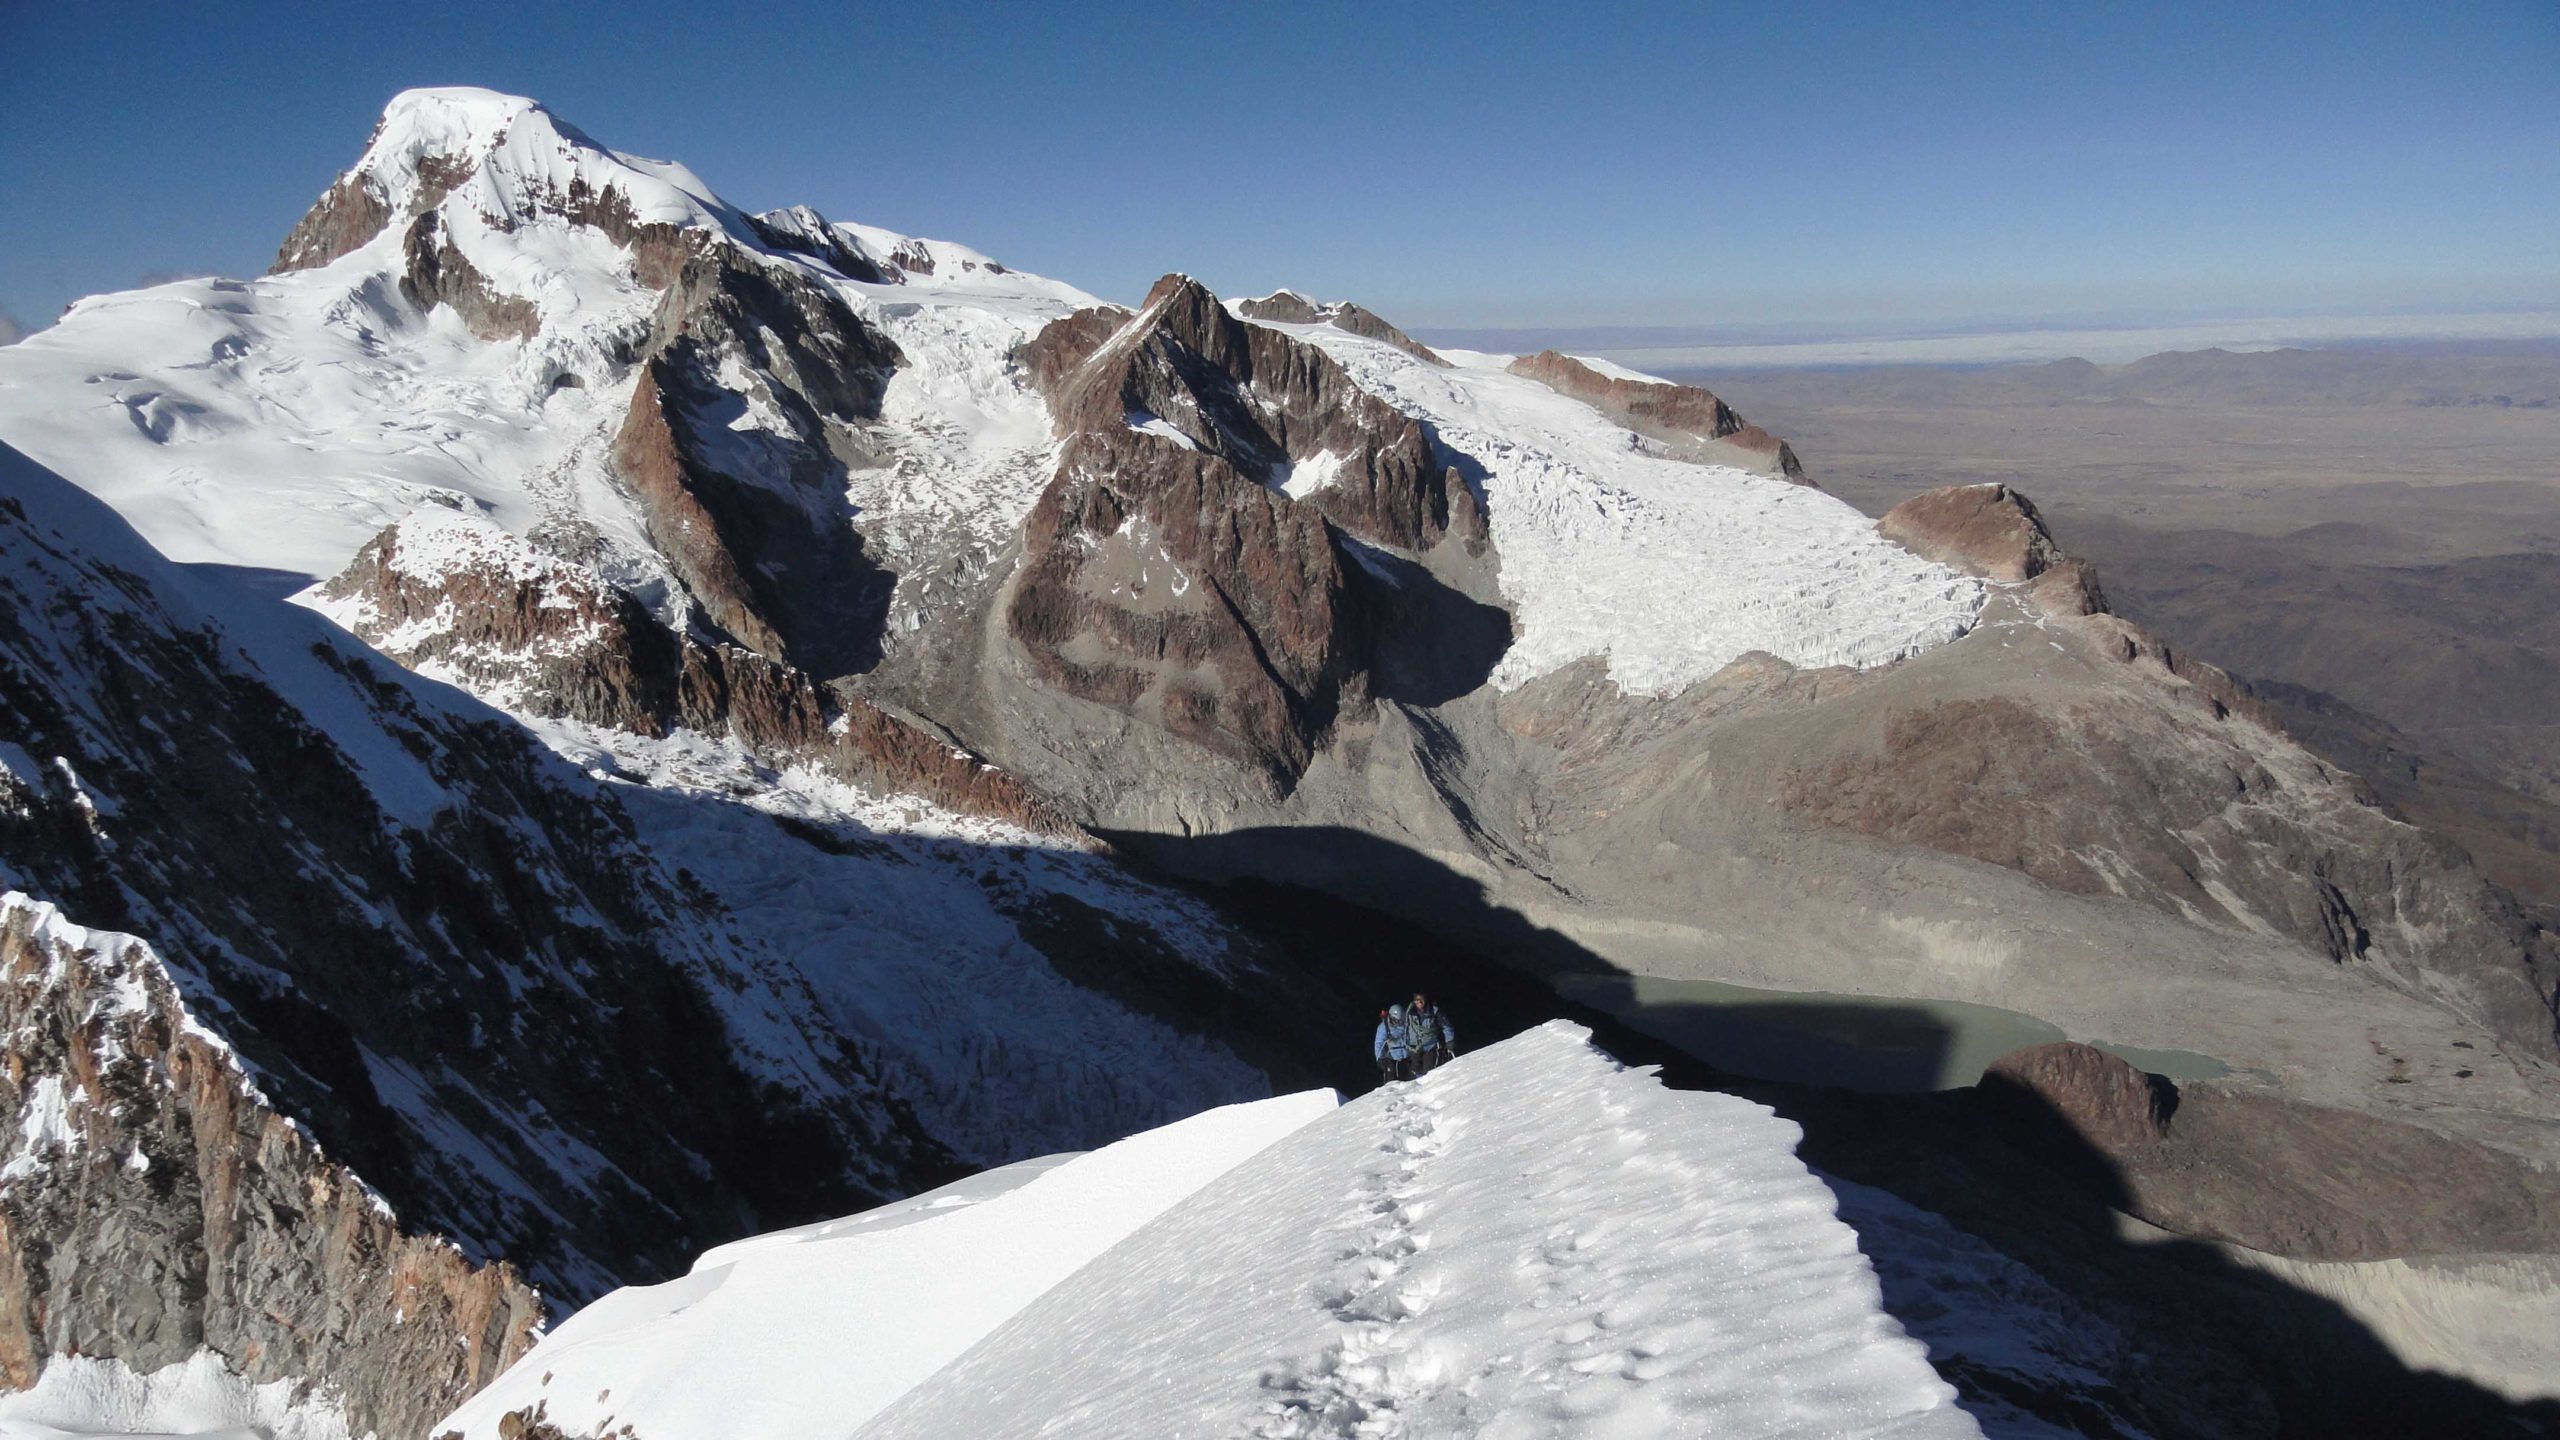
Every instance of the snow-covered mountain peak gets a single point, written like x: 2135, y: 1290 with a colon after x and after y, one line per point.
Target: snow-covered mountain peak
x: 511, y: 163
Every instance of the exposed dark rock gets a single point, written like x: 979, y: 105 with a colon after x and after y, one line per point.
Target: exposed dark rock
x: 439, y: 274
x: 1171, y: 579
x: 753, y: 518
x: 1288, y: 307
x: 804, y: 231
x: 490, y: 946
x: 2102, y: 1099
x: 345, y: 219
x: 176, y: 1210
x: 1258, y: 399
x: 1161, y: 582
x: 1692, y: 422
x: 2185, y: 810
x: 2265, y: 1171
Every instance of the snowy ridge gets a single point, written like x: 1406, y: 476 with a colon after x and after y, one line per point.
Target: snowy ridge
x: 1531, y: 1241
x: 1671, y: 569
x: 809, y: 1332
x: 523, y: 160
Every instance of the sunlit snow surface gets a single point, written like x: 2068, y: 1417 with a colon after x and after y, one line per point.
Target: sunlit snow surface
x: 808, y: 1332
x: 200, y: 1398
x: 1672, y: 570
x: 1530, y: 1242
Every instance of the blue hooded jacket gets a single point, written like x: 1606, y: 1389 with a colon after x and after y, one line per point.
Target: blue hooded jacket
x: 1390, y: 1042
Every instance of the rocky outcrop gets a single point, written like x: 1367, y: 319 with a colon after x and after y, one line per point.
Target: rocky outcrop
x: 2300, y: 1181
x: 749, y: 507
x: 2161, y: 793
x: 155, y: 1203
x: 343, y: 220
x: 456, y: 597
x: 803, y: 231
x: 1159, y: 581
x: 1261, y: 401
x: 1288, y: 307
x: 1693, y: 423
x: 1168, y: 573
x: 1995, y: 532
x: 437, y: 273
x: 2097, y: 1097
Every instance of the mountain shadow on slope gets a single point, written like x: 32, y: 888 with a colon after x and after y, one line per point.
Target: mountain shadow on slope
x: 2216, y: 1349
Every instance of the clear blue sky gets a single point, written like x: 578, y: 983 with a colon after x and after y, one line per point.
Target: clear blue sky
x: 1447, y: 165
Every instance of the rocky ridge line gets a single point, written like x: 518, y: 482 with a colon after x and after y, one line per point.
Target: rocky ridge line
x: 1692, y: 422
x: 458, y: 597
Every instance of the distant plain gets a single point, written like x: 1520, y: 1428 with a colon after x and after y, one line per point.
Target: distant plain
x: 2374, y: 529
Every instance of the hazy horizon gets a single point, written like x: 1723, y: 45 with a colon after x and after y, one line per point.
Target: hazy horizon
x: 1500, y: 167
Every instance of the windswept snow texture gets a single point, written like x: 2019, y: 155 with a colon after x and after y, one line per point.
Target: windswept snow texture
x: 77, y: 1397
x: 1531, y: 1241
x: 808, y: 1332
x: 1671, y: 569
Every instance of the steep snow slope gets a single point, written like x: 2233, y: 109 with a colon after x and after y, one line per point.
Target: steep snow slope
x: 426, y: 929
x: 1669, y: 568
x: 1530, y: 1241
x: 913, y: 931
x: 809, y: 1332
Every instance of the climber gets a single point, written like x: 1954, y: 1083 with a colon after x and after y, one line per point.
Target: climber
x: 1392, y: 1050
x: 1428, y: 1035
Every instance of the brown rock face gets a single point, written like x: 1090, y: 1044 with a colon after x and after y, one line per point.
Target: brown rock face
x: 439, y: 274
x: 753, y: 520
x: 2103, y: 1099
x: 344, y: 220
x: 1995, y: 532
x: 547, y: 637
x: 174, y: 1209
x: 2261, y: 1170
x: 1165, y: 584
x: 1693, y: 422
x: 1171, y: 579
x: 1259, y: 400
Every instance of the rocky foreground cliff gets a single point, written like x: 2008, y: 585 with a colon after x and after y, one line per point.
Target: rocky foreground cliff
x: 155, y: 1204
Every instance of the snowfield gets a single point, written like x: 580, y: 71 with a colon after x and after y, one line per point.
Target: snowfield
x: 1671, y: 569
x: 810, y: 1331
x: 1533, y: 1241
